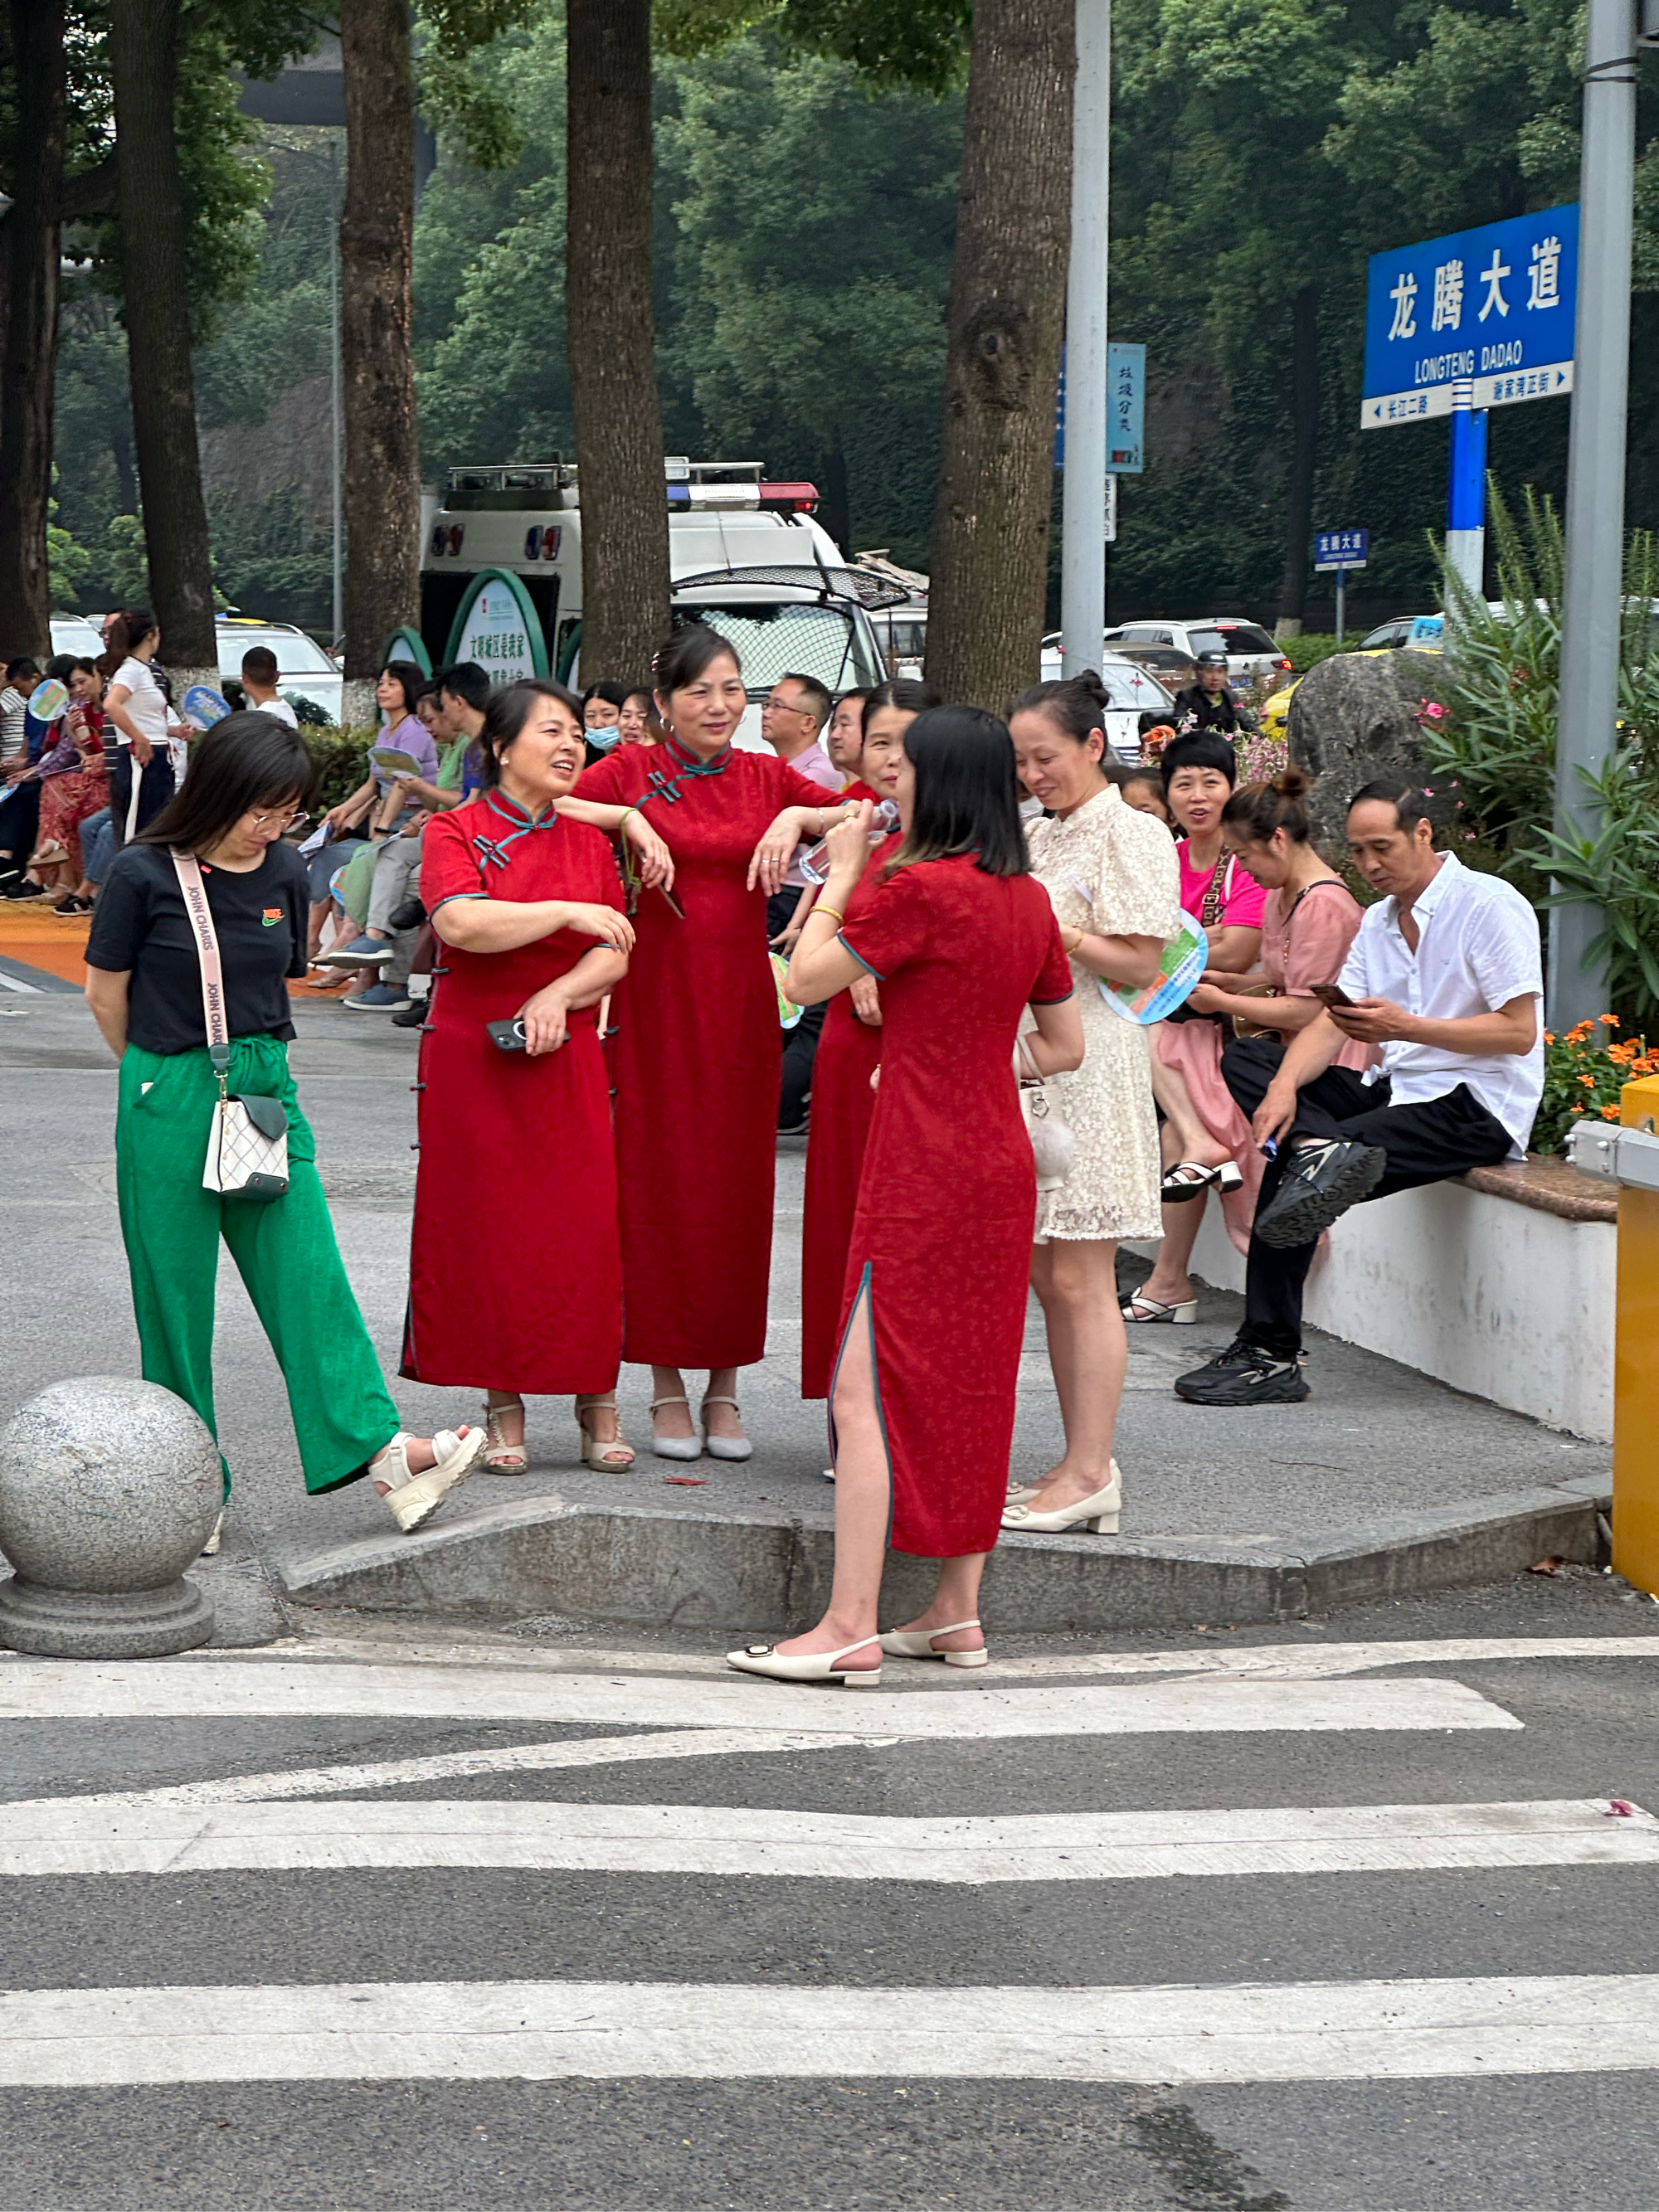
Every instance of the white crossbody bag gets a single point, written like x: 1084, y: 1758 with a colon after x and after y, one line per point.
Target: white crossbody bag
x: 247, y: 1145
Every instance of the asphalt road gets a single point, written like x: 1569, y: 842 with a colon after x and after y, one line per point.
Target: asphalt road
x: 532, y: 1924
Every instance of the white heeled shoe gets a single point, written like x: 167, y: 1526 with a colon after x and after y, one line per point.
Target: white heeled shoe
x: 673, y: 1446
x: 1019, y: 1492
x: 1099, y: 1514
x: 806, y: 1666
x: 1140, y: 1307
x: 723, y: 1447
x: 918, y: 1643
x: 412, y: 1498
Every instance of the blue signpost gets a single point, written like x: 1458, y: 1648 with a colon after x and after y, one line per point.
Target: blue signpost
x: 1455, y: 325
x: 1340, y: 549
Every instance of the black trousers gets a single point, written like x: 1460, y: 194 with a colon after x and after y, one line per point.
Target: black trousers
x: 801, y: 1044
x: 19, y: 822
x: 1428, y: 1141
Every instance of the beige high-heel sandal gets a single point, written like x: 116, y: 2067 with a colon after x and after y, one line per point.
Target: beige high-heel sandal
x: 500, y: 1456
x: 605, y: 1455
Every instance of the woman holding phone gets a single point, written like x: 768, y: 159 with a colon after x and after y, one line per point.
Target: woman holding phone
x: 529, y: 905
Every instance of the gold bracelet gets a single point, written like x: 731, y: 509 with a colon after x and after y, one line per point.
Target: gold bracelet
x: 821, y: 909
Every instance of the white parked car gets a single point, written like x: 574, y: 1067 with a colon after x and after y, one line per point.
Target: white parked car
x: 1131, y: 690
x: 77, y: 635
x: 304, y: 671
x: 1251, y: 653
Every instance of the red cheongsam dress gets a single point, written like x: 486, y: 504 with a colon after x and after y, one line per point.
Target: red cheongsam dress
x: 698, y: 1057
x: 515, y: 1272
x: 848, y: 1053
x: 941, y: 1244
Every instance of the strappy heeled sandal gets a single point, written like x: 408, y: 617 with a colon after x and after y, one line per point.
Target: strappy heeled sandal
x: 673, y: 1446
x: 411, y: 1499
x: 605, y: 1455
x: 500, y: 1456
x: 723, y: 1447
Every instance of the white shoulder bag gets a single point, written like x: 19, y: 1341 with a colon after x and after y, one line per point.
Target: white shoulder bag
x: 247, y: 1145
x: 1052, y: 1143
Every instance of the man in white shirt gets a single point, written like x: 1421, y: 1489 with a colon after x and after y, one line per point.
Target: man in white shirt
x: 795, y: 713
x: 1445, y: 975
x: 259, y: 674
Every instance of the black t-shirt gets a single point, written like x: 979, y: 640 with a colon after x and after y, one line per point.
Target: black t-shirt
x: 1217, y: 713
x: 260, y: 919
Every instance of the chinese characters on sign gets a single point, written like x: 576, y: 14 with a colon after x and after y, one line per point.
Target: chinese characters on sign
x: 1491, y: 309
x: 1340, y: 549
x: 1126, y: 410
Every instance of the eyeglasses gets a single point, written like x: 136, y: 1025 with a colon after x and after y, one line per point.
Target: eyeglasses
x: 774, y: 705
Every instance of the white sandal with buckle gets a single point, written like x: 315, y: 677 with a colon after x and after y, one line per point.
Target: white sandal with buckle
x: 1140, y: 1307
x: 1099, y: 1514
x: 605, y: 1455
x: 918, y: 1643
x: 411, y: 1499
x: 724, y: 1447
x: 806, y: 1666
x: 673, y: 1446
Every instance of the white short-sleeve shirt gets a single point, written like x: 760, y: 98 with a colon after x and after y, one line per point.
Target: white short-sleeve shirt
x: 1477, y: 947
x: 147, y: 703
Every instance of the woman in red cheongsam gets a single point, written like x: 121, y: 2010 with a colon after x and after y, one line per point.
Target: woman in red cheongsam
x: 529, y: 905
x: 698, y: 1050
x: 848, y: 1051
x: 961, y: 940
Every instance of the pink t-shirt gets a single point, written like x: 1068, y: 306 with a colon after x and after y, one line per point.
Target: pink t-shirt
x: 1305, y: 941
x: 1242, y: 898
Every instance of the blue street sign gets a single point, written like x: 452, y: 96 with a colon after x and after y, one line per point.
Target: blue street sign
x: 1126, y: 410
x: 1340, y: 549
x: 1491, y: 309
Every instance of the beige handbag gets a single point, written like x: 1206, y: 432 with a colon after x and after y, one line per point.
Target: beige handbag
x: 1053, y: 1144
x: 247, y: 1144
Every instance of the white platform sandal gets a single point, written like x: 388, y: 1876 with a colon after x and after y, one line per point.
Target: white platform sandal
x: 673, y: 1446
x: 413, y: 1499
x: 918, y: 1643
x: 806, y: 1666
x: 723, y: 1447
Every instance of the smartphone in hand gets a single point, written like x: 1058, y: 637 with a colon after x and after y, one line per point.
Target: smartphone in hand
x: 1330, y: 994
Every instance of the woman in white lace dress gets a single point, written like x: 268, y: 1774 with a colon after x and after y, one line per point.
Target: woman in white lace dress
x: 1114, y: 882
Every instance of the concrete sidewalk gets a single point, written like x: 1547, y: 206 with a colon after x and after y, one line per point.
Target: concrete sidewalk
x: 1382, y: 1482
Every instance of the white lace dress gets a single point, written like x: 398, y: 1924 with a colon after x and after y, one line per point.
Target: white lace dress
x: 1111, y: 870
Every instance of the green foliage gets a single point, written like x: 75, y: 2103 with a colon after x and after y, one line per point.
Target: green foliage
x: 1308, y: 650
x: 913, y: 46
x: 1584, y: 1073
x: 1489, y: 746
x: 458, y: 94
x: 341, y: 758
x: 67, y: 562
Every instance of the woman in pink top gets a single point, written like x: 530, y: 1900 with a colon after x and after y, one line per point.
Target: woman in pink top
x: 1308, y: 919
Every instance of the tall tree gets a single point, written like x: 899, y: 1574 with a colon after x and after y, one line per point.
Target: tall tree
x: 39, y: 121
x: 991, y: 515
x: 1304, y: 458
x: 382, y: 448
x: 145, y: 38
x: 612, y: 335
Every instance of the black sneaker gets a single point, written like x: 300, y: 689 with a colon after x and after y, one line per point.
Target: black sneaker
x: 1243, y: 1375
x: 23, y: 889
x: 413, y: 1016
x: 1320, y: 1184
x: 408, y: 913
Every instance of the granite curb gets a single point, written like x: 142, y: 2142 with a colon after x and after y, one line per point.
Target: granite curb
x: 769, y: 1573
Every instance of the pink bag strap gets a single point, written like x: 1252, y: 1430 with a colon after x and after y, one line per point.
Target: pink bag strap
x: 186, y: 867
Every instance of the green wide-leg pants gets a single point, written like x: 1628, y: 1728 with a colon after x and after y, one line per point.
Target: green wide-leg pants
x: 284, y: 1251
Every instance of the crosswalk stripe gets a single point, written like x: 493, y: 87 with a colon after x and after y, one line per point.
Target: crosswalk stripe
x: 544, y: 2031
x: 49, y: 1689
x: 69, y: 1837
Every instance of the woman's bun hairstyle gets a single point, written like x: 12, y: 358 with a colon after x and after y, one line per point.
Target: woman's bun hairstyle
x: 1076, y: 704
x: 1258, y: 809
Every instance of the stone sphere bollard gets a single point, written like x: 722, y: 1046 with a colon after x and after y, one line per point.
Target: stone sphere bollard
x: 108, y: 1490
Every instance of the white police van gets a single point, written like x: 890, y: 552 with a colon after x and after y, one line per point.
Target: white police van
x: 501, y: 576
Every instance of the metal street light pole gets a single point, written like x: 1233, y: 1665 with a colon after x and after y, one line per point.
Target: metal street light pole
x: 1593, y: 608
x: 336, y: 396
x: 1083, y: 523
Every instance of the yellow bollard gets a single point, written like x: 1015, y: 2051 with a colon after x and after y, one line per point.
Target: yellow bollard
x: 1636, y: 1363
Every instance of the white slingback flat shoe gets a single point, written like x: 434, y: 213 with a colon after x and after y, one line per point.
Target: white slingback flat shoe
x: 918, y: 1643
x: 806, y: 1666
x: 1099, y: 1514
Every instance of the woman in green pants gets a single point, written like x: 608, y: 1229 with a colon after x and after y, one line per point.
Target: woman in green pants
x: 144, y: 984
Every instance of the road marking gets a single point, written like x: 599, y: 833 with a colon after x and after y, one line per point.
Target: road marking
x: 1266, y: 1662
x: 440, y: 1766
x: 69, y: 1836
x: 57, y: 1689
x: 545, y: 2031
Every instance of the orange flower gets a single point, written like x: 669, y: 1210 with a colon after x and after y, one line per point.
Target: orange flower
x: 1589, y: 1082
x: 1549, y: 1036
x: 1644, y: 1067
x: 1612, y: 1020
x: 1579, y: 1032
x: 1609, y: 1113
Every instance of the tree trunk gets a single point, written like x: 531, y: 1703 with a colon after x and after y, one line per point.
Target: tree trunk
x: 990, y: 544
x: 31, y: 343
x: 382, y: 449
x: 1304, y: 454
x: 145, y: 38
x: 612, y: 338
x: 835, y: 501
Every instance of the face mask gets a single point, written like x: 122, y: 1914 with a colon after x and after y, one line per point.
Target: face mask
x: 604, y: 738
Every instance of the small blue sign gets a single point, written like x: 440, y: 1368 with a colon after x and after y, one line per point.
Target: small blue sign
x: 1341, y: 548
x: 1126, y: 411
x: 1491, y: 309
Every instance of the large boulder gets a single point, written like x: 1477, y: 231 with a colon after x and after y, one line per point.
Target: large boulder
x: 1352, y: 718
